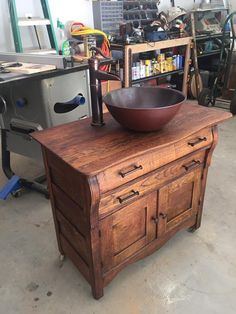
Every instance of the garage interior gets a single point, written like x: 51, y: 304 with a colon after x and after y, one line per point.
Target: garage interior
x: 189, y: 272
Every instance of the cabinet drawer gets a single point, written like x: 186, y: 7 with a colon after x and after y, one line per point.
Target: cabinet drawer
x: 194, y: 142
x: 124, y: 195
x: 140, y: 165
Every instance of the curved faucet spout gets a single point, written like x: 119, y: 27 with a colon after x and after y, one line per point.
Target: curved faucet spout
x: 106, y: 76
x: 96, y: 76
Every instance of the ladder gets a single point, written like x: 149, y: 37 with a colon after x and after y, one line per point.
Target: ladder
x: 17, y: 23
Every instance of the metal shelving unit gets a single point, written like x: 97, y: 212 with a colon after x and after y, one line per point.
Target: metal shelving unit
x: 197, y: 38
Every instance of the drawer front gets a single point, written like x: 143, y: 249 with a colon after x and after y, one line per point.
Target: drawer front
x: 194, y: 142
x: 138, y: 166
x: 156, y: 179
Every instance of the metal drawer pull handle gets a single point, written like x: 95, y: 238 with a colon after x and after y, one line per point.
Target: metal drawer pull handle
x: 163, y: 216
x: 126, y: 198
x: 124, y: 174
x: 197, y: 141
x: 191, y: 165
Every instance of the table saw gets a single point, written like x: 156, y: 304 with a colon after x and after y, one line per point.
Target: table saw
x: 29, y: 102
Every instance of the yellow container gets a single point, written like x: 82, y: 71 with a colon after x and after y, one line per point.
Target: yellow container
x: 161, y: 57
x: 169, y: 61
x: 147, y: 68
x: 163, y: 67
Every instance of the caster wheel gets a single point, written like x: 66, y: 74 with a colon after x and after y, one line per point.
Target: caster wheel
x: 233, y: 105
x: 204, y: 98
x: 192, y: 229
x: 17, y: 193
x: 61, y: 260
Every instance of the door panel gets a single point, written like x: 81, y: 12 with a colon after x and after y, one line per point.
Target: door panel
x: 128, y: 230
x: 178, y: 201
x: 136, y: 228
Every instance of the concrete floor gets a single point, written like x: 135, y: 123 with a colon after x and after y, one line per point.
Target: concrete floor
x: 192, y: 273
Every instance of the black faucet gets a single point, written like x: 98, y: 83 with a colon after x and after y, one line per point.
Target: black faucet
x: 96, y: 76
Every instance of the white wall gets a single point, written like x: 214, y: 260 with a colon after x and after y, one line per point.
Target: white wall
x: 232, y: 5
x: 80, y: 10
x: 185, y: 4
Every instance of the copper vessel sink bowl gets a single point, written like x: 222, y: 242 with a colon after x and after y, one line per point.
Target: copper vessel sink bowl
x: 144, y: 109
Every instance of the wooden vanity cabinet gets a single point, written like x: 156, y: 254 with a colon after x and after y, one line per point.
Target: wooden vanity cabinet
x: 119, y: 195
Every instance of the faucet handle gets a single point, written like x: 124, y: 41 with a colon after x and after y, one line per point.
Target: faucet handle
x: 97, y: 50
x: 106, y: 76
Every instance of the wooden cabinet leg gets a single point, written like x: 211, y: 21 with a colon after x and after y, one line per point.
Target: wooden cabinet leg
x: 97, y: 292
x: 199, y: 213
x: 204, y: 180
x: 96, y: 279
x: 193, y: 228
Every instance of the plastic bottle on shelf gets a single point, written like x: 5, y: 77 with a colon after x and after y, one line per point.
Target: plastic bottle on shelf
x: 121, y: 74
x: 137, y: 70
x: 63, y: 43
x: 175, y: 63
x: 153, y: 68
x: 142, y: 69
x: 147, y: 68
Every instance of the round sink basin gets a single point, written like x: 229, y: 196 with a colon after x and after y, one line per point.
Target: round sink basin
x: 144, y: 108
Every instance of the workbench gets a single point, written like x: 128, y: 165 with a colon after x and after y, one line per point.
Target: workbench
x: 118, y: 195
x: 14, y: 78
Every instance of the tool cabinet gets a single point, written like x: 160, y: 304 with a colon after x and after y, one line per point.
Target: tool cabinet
x: 117, y: 195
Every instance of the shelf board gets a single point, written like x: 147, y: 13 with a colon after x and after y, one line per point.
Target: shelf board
x: 140, y: 10
x: 150, y: 46
x: 210, y: 36
x: 210, y: 53
x: 162, y: 44
x: 33, y: 21
x: 143, y: 79
x: 209, y: 9
x: 140, y: 1
x: 42, y: 52
x: 140, y: 20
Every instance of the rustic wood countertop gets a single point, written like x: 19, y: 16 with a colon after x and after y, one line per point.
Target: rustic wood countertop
x: 93, y: 149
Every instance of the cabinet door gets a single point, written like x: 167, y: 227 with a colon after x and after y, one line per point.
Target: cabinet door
x: 178, y: 201
x: 128, y: 230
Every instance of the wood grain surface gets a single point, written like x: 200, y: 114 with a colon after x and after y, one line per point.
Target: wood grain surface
x: 91, y: 149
